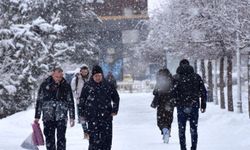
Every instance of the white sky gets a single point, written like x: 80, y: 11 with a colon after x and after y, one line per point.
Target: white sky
x: 156, y: 5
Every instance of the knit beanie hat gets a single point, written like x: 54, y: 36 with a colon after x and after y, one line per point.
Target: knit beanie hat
x: 184, y: 62
x: 96, y: 69
x: 84, y: 67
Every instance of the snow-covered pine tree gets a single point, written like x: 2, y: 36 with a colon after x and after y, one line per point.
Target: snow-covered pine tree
x: 25, y: 57
x: 34, y: 37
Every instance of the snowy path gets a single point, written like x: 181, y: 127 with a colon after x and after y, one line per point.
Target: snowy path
x: 135, y: 129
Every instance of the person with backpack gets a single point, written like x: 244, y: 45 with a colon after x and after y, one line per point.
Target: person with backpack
x: 164, y: 102
x: 77, y: 84
x: 191, y: 96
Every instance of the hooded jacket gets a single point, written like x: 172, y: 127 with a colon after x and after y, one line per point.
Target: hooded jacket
x: 189, y: 88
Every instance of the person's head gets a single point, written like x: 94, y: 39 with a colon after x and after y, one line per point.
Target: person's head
x: 109, y: 73
x: 57, y: 74
x: 162, y: 74
x: 84, y: 70
x: 97, y: 74
x: 184, y: 62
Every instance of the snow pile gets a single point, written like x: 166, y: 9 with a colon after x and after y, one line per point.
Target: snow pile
x: 135, y: 129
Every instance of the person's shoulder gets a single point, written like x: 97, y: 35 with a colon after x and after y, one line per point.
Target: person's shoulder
x: 88, y: 84
x: 197, y: 76
x: 76, y: 76
x: 47, y: 80
x: 176, y: 77
x: 108, y: 84
x: 65, y: 83
x: 44, y: 83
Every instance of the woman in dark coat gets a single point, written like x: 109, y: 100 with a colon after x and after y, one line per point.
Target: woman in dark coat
x: 164, y: 102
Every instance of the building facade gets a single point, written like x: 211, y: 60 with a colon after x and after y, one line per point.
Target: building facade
x: 120, y: 26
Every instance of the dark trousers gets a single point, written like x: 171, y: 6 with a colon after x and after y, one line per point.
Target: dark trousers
x: 52, y: 127
x: 164, y: 118
x: 100, y: 137
x: 184, y: 114
x: 84, y: 125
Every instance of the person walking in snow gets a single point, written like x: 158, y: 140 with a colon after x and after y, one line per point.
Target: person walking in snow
x: 111, y: 79
x: 191, y: 95
x: 54, y: 102
x: 77, y: 84
x: 99, y: 102
x: 164, y: 102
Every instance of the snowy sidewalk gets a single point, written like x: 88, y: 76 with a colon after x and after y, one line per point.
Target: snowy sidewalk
x: 135, y: 129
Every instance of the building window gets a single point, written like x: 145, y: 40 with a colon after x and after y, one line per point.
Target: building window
x: 128, y: 12
x: 130, y: 36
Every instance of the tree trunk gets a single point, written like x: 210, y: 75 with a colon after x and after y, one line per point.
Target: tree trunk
x: 203, y: 71
x: 166, y: 59
x: 215, y: 82
x: 195, y: 66
x: 222, y: 96
x: 249, y: 84
x: 238, y: 56
x: 230, y: 84
x: 210, y: 81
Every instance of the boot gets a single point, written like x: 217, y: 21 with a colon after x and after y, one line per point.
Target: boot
x: 165, y: 132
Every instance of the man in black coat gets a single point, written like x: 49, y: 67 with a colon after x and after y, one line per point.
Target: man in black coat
x: 99, y: 102
x: 54, y: 101
x: 191, y: 95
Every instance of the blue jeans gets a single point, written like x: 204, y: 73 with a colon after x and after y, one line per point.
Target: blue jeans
x: 184, y: 114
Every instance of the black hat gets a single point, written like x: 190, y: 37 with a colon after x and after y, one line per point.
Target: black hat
x: 97, y: 69
x: 184, y: 62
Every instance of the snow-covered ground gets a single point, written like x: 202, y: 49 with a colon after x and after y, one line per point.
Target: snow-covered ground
x: 135, y: 129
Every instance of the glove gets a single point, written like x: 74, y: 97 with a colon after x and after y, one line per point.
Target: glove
x: 72, y: 122
x: 153, y: 105
x: 203, y: 110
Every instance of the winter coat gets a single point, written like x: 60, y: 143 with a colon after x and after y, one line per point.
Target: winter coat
x: 164, y: 99
x: 163, y: 91
x: 54, y: 101
x: 98, y: 101
x: 189, y: 88
x: 77, y: 88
